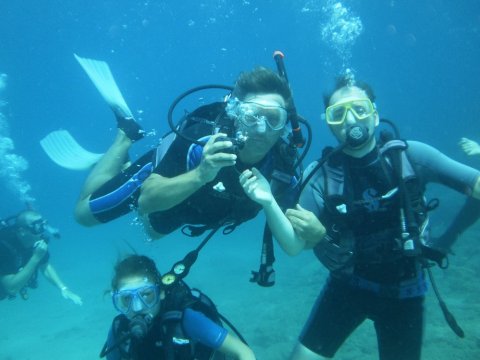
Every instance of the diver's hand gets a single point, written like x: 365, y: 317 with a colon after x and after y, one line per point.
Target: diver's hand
x: 69, y: 295
x: 40, y: 248
x: 213, y: 159
x: 306, y: 225
x: 256, y: 186
x: 470, y: 147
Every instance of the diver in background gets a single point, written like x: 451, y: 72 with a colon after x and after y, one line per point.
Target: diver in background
x: 164, y: 323
x: 23, y: 252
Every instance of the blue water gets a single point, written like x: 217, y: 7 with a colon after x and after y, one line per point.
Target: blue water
x: 421, y: 57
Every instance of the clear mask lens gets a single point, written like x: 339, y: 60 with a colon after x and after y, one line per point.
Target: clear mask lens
x: 127, y: 300
x: 261, y: 111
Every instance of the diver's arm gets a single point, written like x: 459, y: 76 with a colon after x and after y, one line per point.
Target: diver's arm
x: 51, y: 275
x: 204, y: 330
x: 283, y: 230
x: 13, y: 283
x: 435, y: 166
x: 159, y: 193
x: 233, y: 346
x: 258, y: 189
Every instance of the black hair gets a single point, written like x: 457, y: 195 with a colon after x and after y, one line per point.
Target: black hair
x: 261, y: 80
x: 135, y: 265
x: 347, y: 81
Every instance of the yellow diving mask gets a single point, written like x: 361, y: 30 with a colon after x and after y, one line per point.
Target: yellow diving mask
x: 360, y: 108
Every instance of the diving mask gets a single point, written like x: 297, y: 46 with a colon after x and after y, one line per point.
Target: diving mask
x: 258, y: 110
x: 37, y: 227
x: 42, y: 228
x: 360, y: 108
x: 137, y: 299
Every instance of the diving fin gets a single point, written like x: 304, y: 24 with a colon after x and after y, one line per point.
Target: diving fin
x: 66, y: 152
x: 101, y: 76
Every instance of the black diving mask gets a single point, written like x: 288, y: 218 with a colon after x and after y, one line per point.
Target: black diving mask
x: 37, y: 227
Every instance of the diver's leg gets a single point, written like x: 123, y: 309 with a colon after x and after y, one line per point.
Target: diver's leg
x: 337, y: 312
x: 109, y: 166
x: 399, y: 329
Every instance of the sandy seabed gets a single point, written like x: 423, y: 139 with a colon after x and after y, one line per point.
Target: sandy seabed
x: 48, y: 327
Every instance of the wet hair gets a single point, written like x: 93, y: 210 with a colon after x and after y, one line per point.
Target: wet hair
x: 261, y: 81
x: 135, y: 265
x: 347, y: 81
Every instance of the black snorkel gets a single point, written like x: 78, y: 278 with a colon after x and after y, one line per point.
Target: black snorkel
x: 297, y: 140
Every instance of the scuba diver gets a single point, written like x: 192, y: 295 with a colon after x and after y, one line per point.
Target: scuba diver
x: 162, y: 322
x: 23, y: 252
x: 183, y: 182
x: 363, y: 212
x: 191, y: 180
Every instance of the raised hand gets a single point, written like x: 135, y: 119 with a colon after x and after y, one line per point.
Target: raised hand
x: 470, y: 147
x: 256, y: 186
x: 214, y: 158
x: 40, y: 248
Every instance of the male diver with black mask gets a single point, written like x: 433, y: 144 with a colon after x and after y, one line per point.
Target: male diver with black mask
x: 364, y: 214
x: 24, y: 252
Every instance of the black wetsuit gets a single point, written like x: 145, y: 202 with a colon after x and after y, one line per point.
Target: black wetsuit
x: 13, y: 257
x: 381, y: 283
x: 206, y: 206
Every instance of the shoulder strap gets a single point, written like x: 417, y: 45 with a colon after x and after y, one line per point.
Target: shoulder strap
x: 406, y: 168
x: 334, y: 180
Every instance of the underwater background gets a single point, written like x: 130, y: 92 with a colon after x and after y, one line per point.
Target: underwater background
x: 422, y: 59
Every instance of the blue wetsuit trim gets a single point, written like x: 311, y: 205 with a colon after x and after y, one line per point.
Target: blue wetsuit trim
x: 119, y: 195
x: 200, y: 328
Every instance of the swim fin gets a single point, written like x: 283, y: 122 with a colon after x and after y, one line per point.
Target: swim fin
x: 101, y: 76
x: 65, y: 151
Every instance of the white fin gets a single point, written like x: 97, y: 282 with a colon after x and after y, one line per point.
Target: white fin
x: 64, y: 150
x: 101, y: 76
